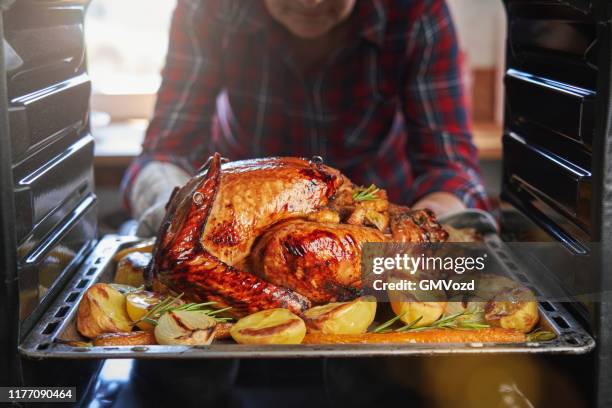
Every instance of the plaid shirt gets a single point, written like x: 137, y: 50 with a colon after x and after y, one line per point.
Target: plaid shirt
x: 387, y: 108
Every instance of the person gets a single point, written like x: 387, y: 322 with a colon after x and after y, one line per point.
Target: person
x: 372, y: 86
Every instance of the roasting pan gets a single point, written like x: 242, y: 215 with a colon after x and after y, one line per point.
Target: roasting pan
x: 57, y: 325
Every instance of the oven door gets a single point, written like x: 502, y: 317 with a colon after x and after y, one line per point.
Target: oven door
x: 557, y: 147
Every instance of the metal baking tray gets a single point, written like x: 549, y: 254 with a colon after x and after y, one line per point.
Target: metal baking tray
x: 57, y: 324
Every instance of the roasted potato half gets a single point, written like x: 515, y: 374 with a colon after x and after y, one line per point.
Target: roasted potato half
x: 123, y: 289
x: 488, y: 285
x: 341, y: 318
x: 131, y: 268
x: 102, y: 310
x: 145, y: 246
x: 273, y: 326
x: 185, y: 327
x: 516, y: 309
x: 137, y: 338
x: 426, y: 306
x: 411, y: 310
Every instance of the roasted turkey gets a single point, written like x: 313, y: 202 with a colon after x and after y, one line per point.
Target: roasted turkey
x: 275, y: 232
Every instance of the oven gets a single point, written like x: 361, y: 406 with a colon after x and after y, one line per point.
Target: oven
x: 556, y: 187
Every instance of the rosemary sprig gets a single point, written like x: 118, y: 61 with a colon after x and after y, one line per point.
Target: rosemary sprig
x: 409, y: 325
x: 214, y: 312
x: 541, y: 335
x: 444, y: 322
x: 159, y: 309
x: 366, y: 194
x: 169, y: 305
x: 201, y: 307
x: 388, y: 323
x: 452, y: 322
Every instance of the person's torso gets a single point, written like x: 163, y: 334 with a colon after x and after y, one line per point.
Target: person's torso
x: 347, y: 110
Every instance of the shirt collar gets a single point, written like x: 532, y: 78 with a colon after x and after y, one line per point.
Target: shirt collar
x: 250, y: 16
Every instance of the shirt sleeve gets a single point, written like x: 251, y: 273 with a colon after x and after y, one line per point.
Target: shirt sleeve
x: 179, y: 132
x: 440, y: 148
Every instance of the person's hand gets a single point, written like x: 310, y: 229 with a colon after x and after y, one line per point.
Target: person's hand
x: 150, y: 193
x: 440, y: 203
x: 151, y: 219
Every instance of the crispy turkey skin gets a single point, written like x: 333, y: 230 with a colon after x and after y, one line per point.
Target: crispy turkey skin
x: 321, y: 261
x: 274, y: 232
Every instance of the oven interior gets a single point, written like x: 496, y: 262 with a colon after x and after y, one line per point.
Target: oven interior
x: 556, y: 162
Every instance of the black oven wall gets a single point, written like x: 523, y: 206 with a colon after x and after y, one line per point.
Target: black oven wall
x: 9, y: 291
x: 48, y: 202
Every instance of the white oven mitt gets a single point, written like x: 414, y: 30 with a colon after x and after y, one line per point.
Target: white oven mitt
x: 150, y: 193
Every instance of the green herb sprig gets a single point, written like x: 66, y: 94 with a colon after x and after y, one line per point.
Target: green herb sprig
x: 366, y: 194
x: 451, y: 322
x: 444, y: 322
x: 170, y: 304
x: 409, y: 325
x: 382, y: 328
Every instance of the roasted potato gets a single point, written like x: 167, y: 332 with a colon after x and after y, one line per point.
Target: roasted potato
x: 138, y: 303
x: 427, y: 306
x: 515, y: 309
x: 411, y: 310
x: 131, y: 268
x: 123, y: 289
x: 136, y: 338
x: 185, y: 327
x: 102, y: 310
x: 488, y: 285
x: 341, y: 318
x: 145, y: 246
x: 273, y: 326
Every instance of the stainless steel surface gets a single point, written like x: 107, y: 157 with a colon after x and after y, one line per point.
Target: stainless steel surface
x: 58, y: 323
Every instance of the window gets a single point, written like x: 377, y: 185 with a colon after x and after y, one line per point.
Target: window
x: 126, y: 42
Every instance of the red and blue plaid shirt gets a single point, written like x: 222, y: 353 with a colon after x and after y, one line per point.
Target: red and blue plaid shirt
x: 387, y: 108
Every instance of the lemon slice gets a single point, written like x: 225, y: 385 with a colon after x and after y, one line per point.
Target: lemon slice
x: 138, y: 303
